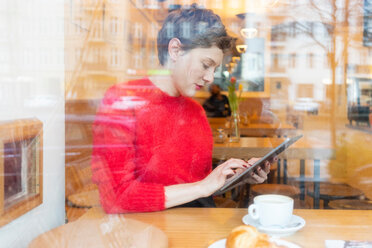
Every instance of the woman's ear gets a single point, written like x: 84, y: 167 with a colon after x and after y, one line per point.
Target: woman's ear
x: 174, y: 49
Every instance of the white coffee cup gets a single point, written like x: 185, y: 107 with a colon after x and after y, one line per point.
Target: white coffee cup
x: 271, y: 210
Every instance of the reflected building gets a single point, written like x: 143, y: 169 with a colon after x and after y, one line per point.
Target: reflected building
x: 316, y: 55
x: 107, y: 42
x: 110, y: 41
x: 298, y: 62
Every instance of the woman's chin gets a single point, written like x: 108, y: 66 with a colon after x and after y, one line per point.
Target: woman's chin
x: 189, y: 93
x: 192, y: 93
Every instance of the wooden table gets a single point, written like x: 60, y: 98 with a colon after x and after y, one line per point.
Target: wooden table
x: 200, y: 227
x: 351, y: 204
x: 256, y: 129
x: 247, y: 147
x: 304, y: 149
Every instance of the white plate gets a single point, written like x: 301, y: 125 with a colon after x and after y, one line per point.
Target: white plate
x: 277, y: 231
x: 280, y: 242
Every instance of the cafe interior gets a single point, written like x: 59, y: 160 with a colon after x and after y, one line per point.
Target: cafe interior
x: 298, y: 67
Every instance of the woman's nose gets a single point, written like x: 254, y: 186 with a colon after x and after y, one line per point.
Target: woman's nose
x: 208, y: 77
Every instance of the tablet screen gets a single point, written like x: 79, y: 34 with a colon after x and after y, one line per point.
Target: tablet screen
x: 238, y: 178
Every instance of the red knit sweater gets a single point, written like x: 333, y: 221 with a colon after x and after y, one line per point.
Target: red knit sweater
x: 144, y: 140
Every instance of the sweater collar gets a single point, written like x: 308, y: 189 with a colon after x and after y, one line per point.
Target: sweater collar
x: 161, y: 95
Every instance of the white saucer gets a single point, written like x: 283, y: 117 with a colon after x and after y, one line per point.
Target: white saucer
x: 276, y: 231
x: 280, y: 242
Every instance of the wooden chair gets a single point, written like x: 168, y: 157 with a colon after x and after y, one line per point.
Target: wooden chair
x: 78, y: 176
x: 333, y: 191
x: 78, y: 127
x: 84, y: 199
x: 224, y: 202
x: 273, y: 171
x: 281, y: 189
x: 80, y: 202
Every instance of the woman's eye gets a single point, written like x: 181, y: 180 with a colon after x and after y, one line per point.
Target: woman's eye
x: 205, y: 66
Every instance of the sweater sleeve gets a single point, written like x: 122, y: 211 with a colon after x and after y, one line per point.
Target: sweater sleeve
x: 114, y: 162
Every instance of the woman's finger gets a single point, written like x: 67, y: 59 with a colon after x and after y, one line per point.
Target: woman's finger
x: 228, y: 164
x: 239, y: 170
x: 267, y: 167
x: 257, y: 178
x: 228, y: 172
x: 236, y: 163
x: 253, y: 160
x: 261, y: 173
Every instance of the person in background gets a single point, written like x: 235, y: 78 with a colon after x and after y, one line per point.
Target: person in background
x: 217, y: 105
x: 152, y: 144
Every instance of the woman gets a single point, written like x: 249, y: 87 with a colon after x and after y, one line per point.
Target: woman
x: 152, y: 142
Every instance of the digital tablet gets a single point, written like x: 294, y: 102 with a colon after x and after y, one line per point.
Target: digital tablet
x: 239, y: 178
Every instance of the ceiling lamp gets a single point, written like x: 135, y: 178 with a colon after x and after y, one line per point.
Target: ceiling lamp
x: 241, y: 48
x: 248, y: 33
x: 235, y: 59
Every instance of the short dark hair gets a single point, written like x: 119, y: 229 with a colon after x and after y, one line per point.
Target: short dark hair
x: 194, y: 27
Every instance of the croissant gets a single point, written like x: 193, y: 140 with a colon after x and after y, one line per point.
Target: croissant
x: 246, y: 236
x: 242, y: 236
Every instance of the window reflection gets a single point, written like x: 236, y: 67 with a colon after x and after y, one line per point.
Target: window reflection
x: 303, y: 64
x: 303, y: 56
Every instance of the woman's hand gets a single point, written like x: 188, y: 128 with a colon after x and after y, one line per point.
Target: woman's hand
x: 260, y: 174
x: 181, y: 193
x: 217, y: 178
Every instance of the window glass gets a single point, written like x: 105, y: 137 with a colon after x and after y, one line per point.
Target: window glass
x: 118, y: 102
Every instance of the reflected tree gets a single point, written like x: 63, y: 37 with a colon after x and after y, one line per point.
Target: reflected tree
x: 334, y: 17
